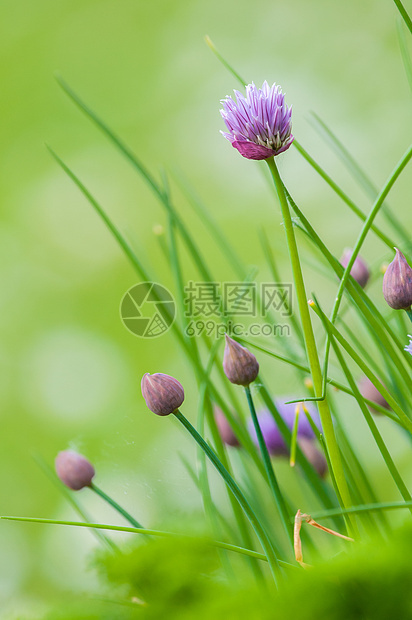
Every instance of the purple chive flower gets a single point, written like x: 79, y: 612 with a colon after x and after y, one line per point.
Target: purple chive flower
x: 271, y: 434
x: 259, y: 125
x: 408, y: 347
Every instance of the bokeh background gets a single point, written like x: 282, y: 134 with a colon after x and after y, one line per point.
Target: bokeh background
x: 69, y: 370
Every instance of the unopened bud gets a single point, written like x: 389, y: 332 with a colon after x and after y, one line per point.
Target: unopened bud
x: 74, y: 470
x: 315, y: 457
x: 225, y: 430
x: 370, y: 392
x: 240, y: 365
x: 163, y: 394
x: 397, y: 283
x: 360, y: 271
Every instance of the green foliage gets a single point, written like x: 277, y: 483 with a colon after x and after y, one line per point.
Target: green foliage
x: 181, y: 581
x: 166, y: 572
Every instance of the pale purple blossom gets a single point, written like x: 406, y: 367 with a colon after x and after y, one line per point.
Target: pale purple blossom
x: 408, y: 347
x: 274, y: 441
x: 259, y: 124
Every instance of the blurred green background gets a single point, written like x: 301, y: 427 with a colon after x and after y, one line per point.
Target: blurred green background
x: 70, y: 372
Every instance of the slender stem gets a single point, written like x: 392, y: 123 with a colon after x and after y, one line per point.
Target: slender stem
x: 326, y: 514
x: 393, y: 470
x: 159, y: 533
x: 116, y: 506
x: 409, y: 313
x: 326, y: 418
x: 332, y: 331
x: 404, y: 14
x: 273, y: 483
x: 254, y: 521
x: 361, y: 238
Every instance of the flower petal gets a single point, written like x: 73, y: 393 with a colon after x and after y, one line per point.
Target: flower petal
x: 250, y: 150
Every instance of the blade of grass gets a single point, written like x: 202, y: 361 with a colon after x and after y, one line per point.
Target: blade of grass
x: 358, y: 174
x: 407, y: 63
x: 273, y: 482
x: 361, y: 238
x: 390, y: 464
x: 134, y: 530
x: 333, y: 331
x: 260, y: 532
x: 404, y: 14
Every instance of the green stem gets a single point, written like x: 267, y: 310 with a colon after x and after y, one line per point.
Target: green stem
x: 409, y: 313
x: 273, y: 483
x: 361, y: 238
x: 404, y: 14
x: 159, y: 533
x: 116, y: 506
x: 326, y: 514
x: 326, y: 418
x: 403, y: 490
x: 254, y: 521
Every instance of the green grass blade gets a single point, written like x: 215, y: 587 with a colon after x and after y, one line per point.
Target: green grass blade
x: 406, y: 57
x: 134, y: 530
x: 359, y: 175
x: 387, y: 240
x: 404, y: 14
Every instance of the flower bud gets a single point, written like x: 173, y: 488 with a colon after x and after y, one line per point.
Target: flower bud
x: 74, y: 470
x: 163, y: 394
x: 370, y: 392
x: 240, y: 365
x: 397, y: 283
x: 315, y: 457
x: 225, y: 430
x: 360, y: 271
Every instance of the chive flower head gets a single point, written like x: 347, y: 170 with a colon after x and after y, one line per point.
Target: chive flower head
x: 240, y: 365
x: 259, y: 124
x: 163, y: 394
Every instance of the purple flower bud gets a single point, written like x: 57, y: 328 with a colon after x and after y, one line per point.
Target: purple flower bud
x: 369, y: 391
x: 315, y: 457
x: 225, y: 430
x: 240, y: 365
x: 271, y: 434
x: 397, y: 283
x: 259, y: 125
x: 74, y: 470
x: 163, y: 394
x: 360, y: 271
